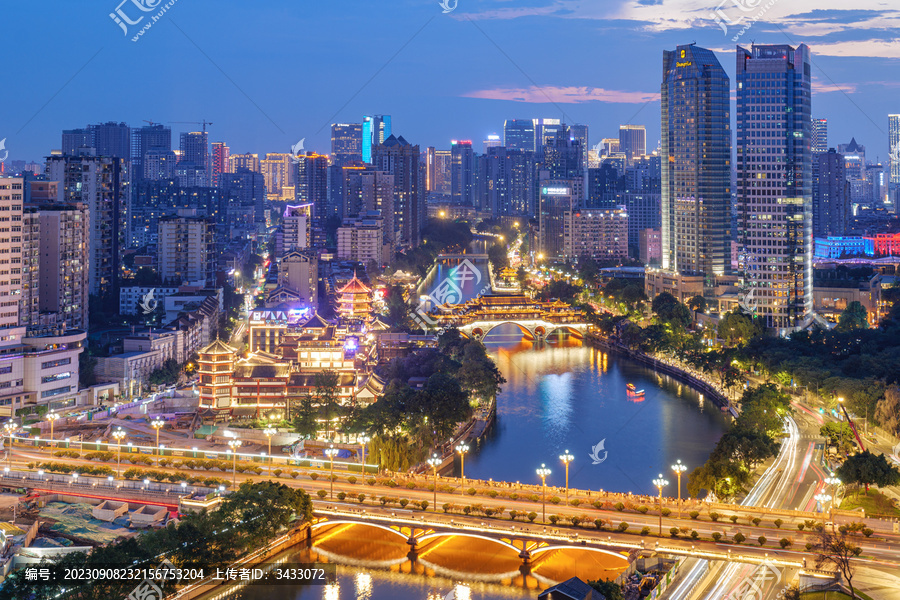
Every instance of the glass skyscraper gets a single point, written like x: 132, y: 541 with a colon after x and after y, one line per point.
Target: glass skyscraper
x: 375, y: 130
x: 696, y: 164
x: 518, y: 134
x: 774, y: 180
x: 894, y: 149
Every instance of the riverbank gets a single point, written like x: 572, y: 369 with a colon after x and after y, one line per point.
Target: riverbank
x: 709, y: 391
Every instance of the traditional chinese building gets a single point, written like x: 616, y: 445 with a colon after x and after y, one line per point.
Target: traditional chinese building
x: 354, y: 301
x: 216, y: 365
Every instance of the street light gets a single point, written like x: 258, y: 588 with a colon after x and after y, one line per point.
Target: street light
x: 52, y: 417
x: 567, y: 458
x: 434, y: 462
x: 543, y: 472
x: 822, y: 499
x: 118, y: 434
x: 269, y: 432
x: 234, y: 445
x: 157, y: 424
x: 10, y: 428
x: 330, y: 452
x: 679, y: 469
x: 462, y: 449
x: 660, y: 483
x: 363, y: 442
x: 836, y: 482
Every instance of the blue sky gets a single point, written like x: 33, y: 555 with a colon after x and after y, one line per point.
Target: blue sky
x: 268, y: 73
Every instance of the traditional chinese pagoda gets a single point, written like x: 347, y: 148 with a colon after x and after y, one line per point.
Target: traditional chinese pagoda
x: 354, y: 301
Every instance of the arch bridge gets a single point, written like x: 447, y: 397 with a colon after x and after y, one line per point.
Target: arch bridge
x: 537, y: 319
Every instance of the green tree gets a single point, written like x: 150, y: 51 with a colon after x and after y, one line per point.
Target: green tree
x: 836, y: 433
x: 836, y: 548
x: 609, y: 589
x: 698, y: 304
x: 868, y: 469
x: 736, y: 328
x: 853, y: 317
x: 325, y: 395
x: 265, y: 508
x: 304, y: 416
x: 398, y: 309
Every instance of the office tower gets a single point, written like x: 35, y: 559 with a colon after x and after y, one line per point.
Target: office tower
x: 187, y: 249
x: 63, y: 264
x: 602, y: 185
x: 159, y: 164
x: 696, y: 163
x: 819, y: 142
x: 438, y: 171
x: 518, y: 134
x: 143, y: 140
x: 633, y: 139
x: 346, y: 143
x: 773, y: 177
x: 367, y: 191
x: 112, y: 139
x: 279, y: 172
x: 98, y: 182
x: 295, y: 231
x: 596, y: 233
x: 557, y: 199
x: 855, y: 170
x: 462, y: 172
x: 194, y: 158
x: 894, y: 157
x: 219, y: 163
x: 831, y: 203
x: 509, y: 181
x: 609, y: 146
x: 74, y: 140
x: 545, y: 130
x: 247, y: 188
x: 580, y: 133
x: 375, y: 130
x: 401, y: 159
x: 312, y: 185
x: 247, y: 161
x: 563, y: 160
x: 492, y: 141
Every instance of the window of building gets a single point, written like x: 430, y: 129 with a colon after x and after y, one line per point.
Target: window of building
x: 56, y: 363
x: 56, y: 391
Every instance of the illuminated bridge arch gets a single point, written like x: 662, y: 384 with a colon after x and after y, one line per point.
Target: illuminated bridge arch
x: 440, y: 534
x: 480, y: 331
x: 325, y: 523
x: 535, y: 553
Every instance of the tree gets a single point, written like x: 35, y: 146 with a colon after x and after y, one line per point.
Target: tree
x: 268, y: 507
x: 698, y: 304
x: 868, y: 469
x: 671, y: 311
x: 736, y: 328
x: 498, y: 257
x: 853, y: 317
x: 837, y: 549
x: 398, y: 309
x: 836, y: 433
x: 325, y: 395
x: 887, y: 410
x: 304, y: 416
x: 609, y: 589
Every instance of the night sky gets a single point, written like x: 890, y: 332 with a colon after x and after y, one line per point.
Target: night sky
x: 268, y: 73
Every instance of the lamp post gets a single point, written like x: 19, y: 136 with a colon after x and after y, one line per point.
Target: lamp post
x: 462, y: 449
x: 822, y: 499
x: 543, y: 472
x: 234, y: 445
x: 836, y: 482
x: 567, y: 458
x: 363, y: 442
x: 118, y: 434
x: 679, y: 469
x: 269, y: 432
x: 157, y: 424
x: 10, y: 428
x: 434, y: 462
x: 330, y: 452
x: 660, y: 483
x: 52, y: 417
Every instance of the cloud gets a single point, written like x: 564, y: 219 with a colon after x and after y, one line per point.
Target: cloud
x: 859, y: 48
x: 563, y: 95
x: 824, y: 86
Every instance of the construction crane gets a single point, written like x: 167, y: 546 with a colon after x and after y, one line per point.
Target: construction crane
x: 204, y: 122
x: 152, y: 123
x: 853, y: 427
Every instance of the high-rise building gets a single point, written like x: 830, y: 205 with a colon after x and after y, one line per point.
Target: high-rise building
x: 220, y: 163
x: 361, y: 239
x: 399, y: 158
x: 247, y: 161
x: 518, y: 134
x: 312, y: 188
x: 295, y: 231
x: 855, y: 169
x: 609, y: 146
x: 492, y: 141
x: 596, y: 233
x: 774, y: 171
x: 194, y: 147
x: 563, y: 160
x: 63, y: 264
x: 158, y: 164
x: 819, y: 142
x: 558, y: 198
x: 98, y: 182
x: 894, y: 150
x: 545, y: 130
x: 247, y: 188
x: 280, y: 173
x: 74, y: 140
x: 462, y: 172
x: 831, y: 202
x: 510, y: 176
x: 346, y: 143
x: 375, y: 130
x: 112, y: 139
x: 367, y: 191
x: 187, y: 249
x: 438, y: 171
x: 633, y: 140
x: 144, y: 139
x: 580, y: 133
x: 695, y: 161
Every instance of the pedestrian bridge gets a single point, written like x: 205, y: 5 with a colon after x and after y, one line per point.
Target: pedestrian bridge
x: 476, y: 318
x: 499, y: 553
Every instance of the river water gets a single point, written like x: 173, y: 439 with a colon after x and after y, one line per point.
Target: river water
x: 559, y: 396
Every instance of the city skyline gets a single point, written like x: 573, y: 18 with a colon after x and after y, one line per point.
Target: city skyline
x: 179, y: 71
